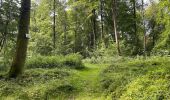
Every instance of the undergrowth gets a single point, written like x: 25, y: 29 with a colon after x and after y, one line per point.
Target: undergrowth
x: 137, y: 79
x: 72, y: 61
x: 125, y: 79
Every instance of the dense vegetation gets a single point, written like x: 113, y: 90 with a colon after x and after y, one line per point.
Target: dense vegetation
x: 84, y: 49
x: 125, y: 79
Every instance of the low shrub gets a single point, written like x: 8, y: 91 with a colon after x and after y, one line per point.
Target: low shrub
x: 55, y: 90
x: 44, y: 62
x: 32, y: 76
x: 148, y: 87
x: 1, y: 66
x: 71, y: 61
x: 4, y: 66
x: 38, y: 84
x: 139, y: 78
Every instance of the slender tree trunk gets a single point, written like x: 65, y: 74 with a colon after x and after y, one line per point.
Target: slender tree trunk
x: 54, y: 23
x: 153, y: 26
x: 76, y: 49
x: 92, y: 40
x: 65, y: 27
x: 135, y: 27
x: 22, y: 40
x: 134, y: 12
x: 115, y: 26
x: 153, y: 33
x: 144, y: 36
x: 93, y: 34
x: 102, y: 20
x: 153, y: 40
x: 94, y: 27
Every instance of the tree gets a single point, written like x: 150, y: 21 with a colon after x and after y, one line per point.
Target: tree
x: 93, y: 35
x: 102, y: 18
x: 144, y: 35
x: 115, y: 26
x: 22, y: 40
x: 8, y: 21
x: 54, y: 23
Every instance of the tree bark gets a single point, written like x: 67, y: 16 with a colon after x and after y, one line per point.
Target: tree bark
x: 22, y: 40
x: 136, y: 40
x: 102, y: 20
x: 115, y: 27
x: 54, y: 23
x: 144, y: 36
x: 65, y: 27
x: 134, y: 12
x: 93, y: 34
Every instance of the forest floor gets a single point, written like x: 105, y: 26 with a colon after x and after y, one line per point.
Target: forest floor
x: 88, y: 81
x: 55, y: 84
x: 124, y: 79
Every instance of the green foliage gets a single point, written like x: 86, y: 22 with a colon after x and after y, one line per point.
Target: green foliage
x: 162, y: 19
x: 37, y: 84
x: 137, y: 79
x: 76, y: 34
x: 1, y: 65
x: 9, y: 23
x: 153, y: 86
x: 71, y: 61
x: 105, y: 56
x: 126, y: 79
x: 78, y: 25
x: 43, y: 46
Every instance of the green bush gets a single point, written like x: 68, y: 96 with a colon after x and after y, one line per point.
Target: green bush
x: 44, y: 62
x: 153, y: 86
x: 72, y: 61
x: 138, y: 78
x: 1, y: 65
x: 37, y: 84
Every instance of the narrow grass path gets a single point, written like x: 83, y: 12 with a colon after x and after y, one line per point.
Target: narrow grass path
x: 88, y: 82
x: 78, y: 85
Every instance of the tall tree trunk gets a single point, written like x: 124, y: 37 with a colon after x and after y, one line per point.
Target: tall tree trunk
x: 135, y: 27
x: 22, y: 40
x: 134, y: 12
x: 54, y: 23
x: 115, y: 26
x: 65, y: 27
x: 144, y: 35
x: 102, y: 20
x: 76, y: 49
x: 93, y: 35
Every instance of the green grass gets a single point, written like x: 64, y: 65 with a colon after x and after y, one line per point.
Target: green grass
x: 124, y: 79
x: 87, y: 80
x: 36, y: 84
x: 72, y: 61
x: 138, y: 79
x: 54, y: 84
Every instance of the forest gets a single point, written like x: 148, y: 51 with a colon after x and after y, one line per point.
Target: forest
x: 84, y: 50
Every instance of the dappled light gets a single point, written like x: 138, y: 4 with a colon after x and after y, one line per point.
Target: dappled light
x: 84, y: 50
